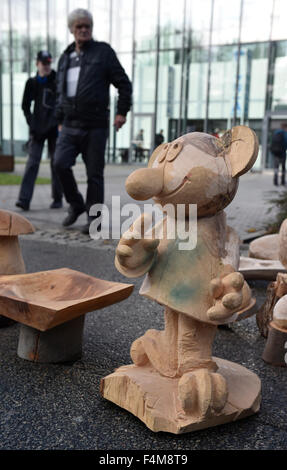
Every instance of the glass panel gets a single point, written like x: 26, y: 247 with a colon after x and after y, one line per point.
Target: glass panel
x: 100, y: 10
x: 6, y: 103
x: 122, y: 23
x: 171, y: 23
x: 197, y: 84
x: 222, y: 83
x: 123, y: 136
x: 168, y: 91
x: 58, y: 29
x: 254, y: 69
x: 280, y: 83
x: 198, y: 19
x: 144, y: 83
x: 20, y: 126
x: 259, y: 31
x: 19, y: 31
x: 226, y: 22
x: 4, y: 30
x: 279, y: 30
x: 146, y: 24
x: 38, y: 28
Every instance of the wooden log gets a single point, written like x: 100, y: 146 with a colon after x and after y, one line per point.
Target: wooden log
x: 275, y: 291
x: 275, y: 351
x: 60, y: 344
x: 265, y: 313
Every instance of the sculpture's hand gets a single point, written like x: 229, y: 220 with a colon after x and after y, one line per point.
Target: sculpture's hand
x: 137, y: 248
x: 231, y: 294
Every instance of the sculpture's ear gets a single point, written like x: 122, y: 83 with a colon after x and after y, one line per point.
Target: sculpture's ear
x: 241, y: 147
x: 160, y: 150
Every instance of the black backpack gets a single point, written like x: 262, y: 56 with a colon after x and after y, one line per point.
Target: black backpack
x: 277, y: 144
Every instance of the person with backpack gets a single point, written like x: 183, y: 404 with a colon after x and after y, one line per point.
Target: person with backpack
x: 278, y: 149
x: 41, y: 91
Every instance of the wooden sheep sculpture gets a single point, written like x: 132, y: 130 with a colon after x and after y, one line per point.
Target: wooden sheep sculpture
x: 175, y: 384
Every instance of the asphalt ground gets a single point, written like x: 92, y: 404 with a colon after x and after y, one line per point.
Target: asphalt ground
x: 59, y: 407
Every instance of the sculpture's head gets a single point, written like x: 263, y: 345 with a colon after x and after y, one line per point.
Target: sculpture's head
x: 196, y: 168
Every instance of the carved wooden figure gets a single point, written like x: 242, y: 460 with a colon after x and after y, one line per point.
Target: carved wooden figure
x: 263, y: 261
x: 175, y: 384
x: 272, y: 317
x: 11, y: 260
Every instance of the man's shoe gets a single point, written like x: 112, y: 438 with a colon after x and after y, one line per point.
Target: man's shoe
x: 56, y: 205
x: 72, y: 216
x: 22, y: 205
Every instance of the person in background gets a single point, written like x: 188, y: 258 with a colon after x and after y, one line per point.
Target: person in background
x: 278, y: 148
x: 159, y: 138
x: 42, y: 123
x: 86, y: 70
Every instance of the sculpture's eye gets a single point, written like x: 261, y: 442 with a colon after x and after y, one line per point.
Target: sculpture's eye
x: 163, y: 153
x: 174, y: 150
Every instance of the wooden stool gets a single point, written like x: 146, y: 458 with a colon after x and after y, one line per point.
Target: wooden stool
x: 51, y: 305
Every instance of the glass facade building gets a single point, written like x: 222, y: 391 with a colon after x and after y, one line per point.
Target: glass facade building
x: 195, y: 65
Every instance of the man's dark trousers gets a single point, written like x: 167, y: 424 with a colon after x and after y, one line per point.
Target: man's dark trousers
x: 36, y: 144
x: 91, y: 143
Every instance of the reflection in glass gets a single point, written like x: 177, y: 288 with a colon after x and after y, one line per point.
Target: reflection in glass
x: 168, y: 107
x: 280, y: 83
x: 253, y: 30
x: 146, y: 24
x: 122, y: 23
x: 57, y: 26
x: 198, y: 19
x: 171, y: 23
x: 226, y: 22
x: 198, y: 84
x: 100, y: 10
x: 279, y: 20
x: 222, y: 85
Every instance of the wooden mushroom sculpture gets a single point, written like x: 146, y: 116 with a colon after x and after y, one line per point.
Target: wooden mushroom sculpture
x: 174, y: 383
x: 11, y: 260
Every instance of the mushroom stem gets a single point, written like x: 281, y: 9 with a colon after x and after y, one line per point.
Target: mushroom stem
x: 11, y: 260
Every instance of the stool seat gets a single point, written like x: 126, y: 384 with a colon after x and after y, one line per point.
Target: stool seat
x: 46, y: 299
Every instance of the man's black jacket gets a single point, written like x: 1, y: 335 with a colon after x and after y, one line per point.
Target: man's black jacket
x: 43, y: 93
x: 100, y: 67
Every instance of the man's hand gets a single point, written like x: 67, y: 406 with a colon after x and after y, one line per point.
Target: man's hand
x: 119, y: 121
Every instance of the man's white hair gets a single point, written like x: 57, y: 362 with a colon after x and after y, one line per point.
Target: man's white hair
x: 79, y: 14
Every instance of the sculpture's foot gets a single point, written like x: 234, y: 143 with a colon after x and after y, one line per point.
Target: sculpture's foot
x: 152, y: 349
x: 202, y: 393
x: 138, y: 353
x: 162, y: 404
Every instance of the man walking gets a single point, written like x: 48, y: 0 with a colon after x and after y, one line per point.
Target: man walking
x: 86, y: 70
x: 278, y: 149
x: 42, y: 123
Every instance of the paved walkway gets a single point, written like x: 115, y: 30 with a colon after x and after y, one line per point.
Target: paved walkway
x: 248, y: 213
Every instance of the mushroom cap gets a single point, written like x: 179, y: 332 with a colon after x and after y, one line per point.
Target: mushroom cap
x: 12, y: 224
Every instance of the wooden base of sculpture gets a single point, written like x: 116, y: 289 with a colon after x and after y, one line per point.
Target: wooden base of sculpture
x: 275, y: 351
x: 154, y: 398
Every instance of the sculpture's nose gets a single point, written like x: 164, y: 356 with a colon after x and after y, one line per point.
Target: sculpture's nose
x: 145, y: 183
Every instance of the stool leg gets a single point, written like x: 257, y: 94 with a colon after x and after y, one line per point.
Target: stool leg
x: 62, y: 343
